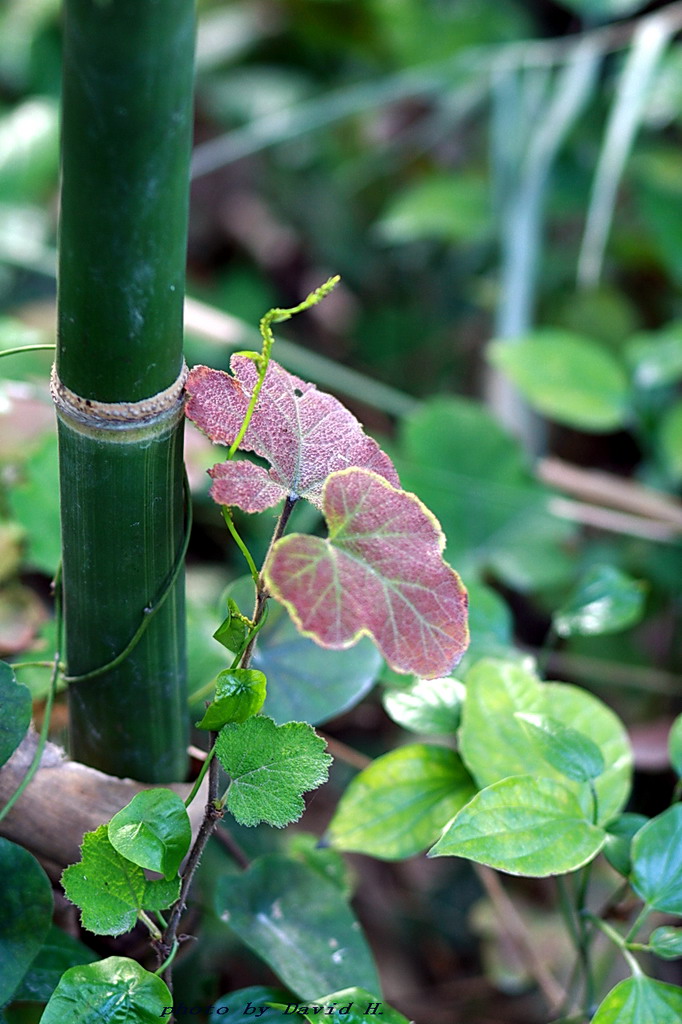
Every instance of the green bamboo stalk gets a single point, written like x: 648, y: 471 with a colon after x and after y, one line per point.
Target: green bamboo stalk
x: 126, y: 131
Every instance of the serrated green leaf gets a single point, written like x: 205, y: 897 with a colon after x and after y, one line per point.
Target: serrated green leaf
x: 271, y: 766
x: 153, y: 831
x: 299, y: 924
x: 666, y: 942
x: 569, y: 378
x: 15, y: 701
x: 605, y: 601
x: 494, y: 743
x: 113, y: 991
x: 352, y: 1005
x: 571, y: 752
x: 26, y: 914
x: 431, y: 706
x: 641, y: 1000
x: 675, y: 746
x: 523, y: 825
x: 657, y: 861
x: 307, y: 683
x: 109, y: 889
x: 619, y: 836
x: 233, y: 630
x: 239, y: 694
x: 237, y: 1007
x: 401, y: 802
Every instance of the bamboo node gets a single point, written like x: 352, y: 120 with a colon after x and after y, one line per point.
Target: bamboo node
x: 117, y: 414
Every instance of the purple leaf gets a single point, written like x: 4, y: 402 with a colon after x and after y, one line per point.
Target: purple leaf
x: 304, y: 434
x: 380, y: 572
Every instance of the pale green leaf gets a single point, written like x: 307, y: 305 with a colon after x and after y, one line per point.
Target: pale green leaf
x: 606, y: 600
x: 26, y: 914
x: 113, y: 991
x: 524, y: 825
x: 153, y: 831
x: 568, y: 378
x: 657, y: 861
x: 401, y: 802
x: 111, y: 890
x: 571, y: 752
x: 494, y: 743
x: 271, y: 766
x: 299, y: 924
x: 430, y: 706
x: 656, y: 359
x: 641, y: 1000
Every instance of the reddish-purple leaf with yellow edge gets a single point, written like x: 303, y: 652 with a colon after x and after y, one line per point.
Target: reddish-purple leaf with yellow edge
x: 304, y: 434
x: 380, y: 573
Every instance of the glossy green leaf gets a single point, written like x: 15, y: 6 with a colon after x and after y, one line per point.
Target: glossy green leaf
x: 670, y: 440
x: 641, y: 1000
x: 109, y: 889
x: 675, y: 746
x: 239, y: 694
x: 332, y: 865
x: 153, y: 831
x: 524, y: 825
x: 233, y: 630
x: 307, y: 683
x: 476, y: 480
x: 59, y: 952
x: 571, y: 752
x: 16, y: 704
x: 352, y: 1005
x: 238, y: 1007
x: 401, y: 802
x: 606, y: 600
x: 657, y: 861
x: 112, y: 991
x: 430, y: 706
x: 26, y: 914
x: 619, y: 836
x: 569, y: 378
x: 299, y: 924
x: 447, y: 207
x: 656, y: 359
x: 494, y: 743
x: 271, y: 766
x: 666, y: 942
